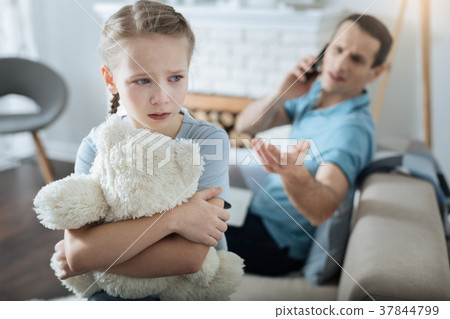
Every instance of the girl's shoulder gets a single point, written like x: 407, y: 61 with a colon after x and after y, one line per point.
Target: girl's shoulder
x: 198, y: 129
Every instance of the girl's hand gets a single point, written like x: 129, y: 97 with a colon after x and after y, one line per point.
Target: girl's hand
x: 60, y: 250
x: 201, y: 221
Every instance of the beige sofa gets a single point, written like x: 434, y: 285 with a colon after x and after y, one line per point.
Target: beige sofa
x: 396, y: 250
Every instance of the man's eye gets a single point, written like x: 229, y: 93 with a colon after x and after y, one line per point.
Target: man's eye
x: 142, y: 81
x: 357, y: 60
x: 337, y: 49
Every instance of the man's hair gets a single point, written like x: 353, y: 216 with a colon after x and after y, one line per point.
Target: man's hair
x: 376, y: 29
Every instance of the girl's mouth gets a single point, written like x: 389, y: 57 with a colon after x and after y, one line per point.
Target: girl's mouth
x: 158, y: 116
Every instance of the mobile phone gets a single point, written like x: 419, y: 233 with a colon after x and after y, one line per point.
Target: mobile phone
x: 316, y: 66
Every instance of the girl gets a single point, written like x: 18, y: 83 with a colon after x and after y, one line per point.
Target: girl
x: 147, y: 48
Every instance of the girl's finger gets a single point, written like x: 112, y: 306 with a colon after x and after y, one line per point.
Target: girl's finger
x: 222, y: 227
x: 209, y: 193
x: 217, y: 234
x: 224, y: 215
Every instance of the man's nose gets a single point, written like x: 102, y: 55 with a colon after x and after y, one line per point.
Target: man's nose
x: 341, y: 62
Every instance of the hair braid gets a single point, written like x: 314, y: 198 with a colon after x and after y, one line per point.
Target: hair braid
x: 114, y: 103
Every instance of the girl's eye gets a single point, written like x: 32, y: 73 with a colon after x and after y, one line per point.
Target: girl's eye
x: 142, y: 81
x: 176, y: 78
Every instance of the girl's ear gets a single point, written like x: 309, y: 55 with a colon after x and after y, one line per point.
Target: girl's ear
x: 109, y: 80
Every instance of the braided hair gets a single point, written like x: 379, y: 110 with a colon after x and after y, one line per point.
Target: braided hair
x: 114, y: 103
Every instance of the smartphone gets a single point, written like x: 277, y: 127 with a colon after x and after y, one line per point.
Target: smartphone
x: 315, y: 68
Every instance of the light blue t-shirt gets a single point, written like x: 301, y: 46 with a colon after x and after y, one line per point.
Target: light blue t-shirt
x: 214, y: 148
x: 343, y: 134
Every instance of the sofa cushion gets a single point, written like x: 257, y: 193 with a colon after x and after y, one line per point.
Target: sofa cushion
x: 397, y: 248
x: 327, y: 251
x: 294, y: 287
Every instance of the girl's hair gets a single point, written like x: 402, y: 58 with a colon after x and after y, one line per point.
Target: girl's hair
x: 141, y: 18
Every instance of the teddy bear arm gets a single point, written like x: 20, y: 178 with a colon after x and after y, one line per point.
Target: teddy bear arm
x: 70, y: 203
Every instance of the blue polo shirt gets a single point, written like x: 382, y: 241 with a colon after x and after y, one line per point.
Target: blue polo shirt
x: 343, y: 134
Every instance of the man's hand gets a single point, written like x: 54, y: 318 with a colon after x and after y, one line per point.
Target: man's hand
x: 288, y: 165
x: 199, y: 220
x: 316, y: 198
x: 296, y: 84
x: 60, y: 250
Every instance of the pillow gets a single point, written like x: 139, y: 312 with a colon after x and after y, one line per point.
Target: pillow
x: 240, y: 199
x: 326, y: 254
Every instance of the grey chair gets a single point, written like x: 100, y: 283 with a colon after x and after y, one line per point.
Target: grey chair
x: 44, y: 86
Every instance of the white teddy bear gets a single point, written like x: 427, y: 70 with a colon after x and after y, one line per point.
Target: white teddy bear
x: 120, y: 187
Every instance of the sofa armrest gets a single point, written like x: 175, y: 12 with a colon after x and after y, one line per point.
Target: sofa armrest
x: 397, y: 248
x: 245, y: 171
x: 236, y: 177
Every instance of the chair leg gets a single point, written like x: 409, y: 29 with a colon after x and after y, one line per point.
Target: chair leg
x: 44, y: 163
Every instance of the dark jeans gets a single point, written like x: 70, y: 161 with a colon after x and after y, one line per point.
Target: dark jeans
x: 260, y: 252
x: 103, y: 296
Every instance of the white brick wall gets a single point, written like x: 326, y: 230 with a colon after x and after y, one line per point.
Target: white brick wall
x: 243, y: 52
x: 247, y: 52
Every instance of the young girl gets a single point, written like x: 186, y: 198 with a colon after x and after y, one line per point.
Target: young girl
x: 147, y: 48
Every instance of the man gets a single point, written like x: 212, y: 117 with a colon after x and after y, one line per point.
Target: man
x: 332, y: 112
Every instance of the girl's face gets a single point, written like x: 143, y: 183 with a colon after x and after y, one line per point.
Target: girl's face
x: 152, y: 79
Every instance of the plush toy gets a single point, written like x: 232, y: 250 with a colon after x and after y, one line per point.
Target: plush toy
x: 136, y: 173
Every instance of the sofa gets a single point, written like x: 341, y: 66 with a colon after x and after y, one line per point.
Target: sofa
x: 395, y: 249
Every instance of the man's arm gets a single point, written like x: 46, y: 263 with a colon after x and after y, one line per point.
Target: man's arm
x: 316, y: 198
x: 269, y: 112
x: 262, y: 114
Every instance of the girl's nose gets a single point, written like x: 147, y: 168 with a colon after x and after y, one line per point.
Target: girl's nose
x: 160, y: 95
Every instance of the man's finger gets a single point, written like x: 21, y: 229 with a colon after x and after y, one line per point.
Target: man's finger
x: 272, y: 154
x: 258, y: 144
x: 303, y: 147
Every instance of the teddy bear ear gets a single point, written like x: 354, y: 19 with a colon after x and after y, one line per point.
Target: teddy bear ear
x: 114, y: 130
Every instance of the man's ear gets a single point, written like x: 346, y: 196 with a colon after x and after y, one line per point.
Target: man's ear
x: 109, y: 80
x: 376, y: 71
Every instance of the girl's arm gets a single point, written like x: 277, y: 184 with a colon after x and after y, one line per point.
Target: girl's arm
x: 155, y: 261
x: 99, y: 247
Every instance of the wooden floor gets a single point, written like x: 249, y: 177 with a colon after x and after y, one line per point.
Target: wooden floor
x: 25, y: 245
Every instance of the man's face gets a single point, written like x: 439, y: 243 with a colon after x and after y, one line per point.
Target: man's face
x: 347, y: 65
